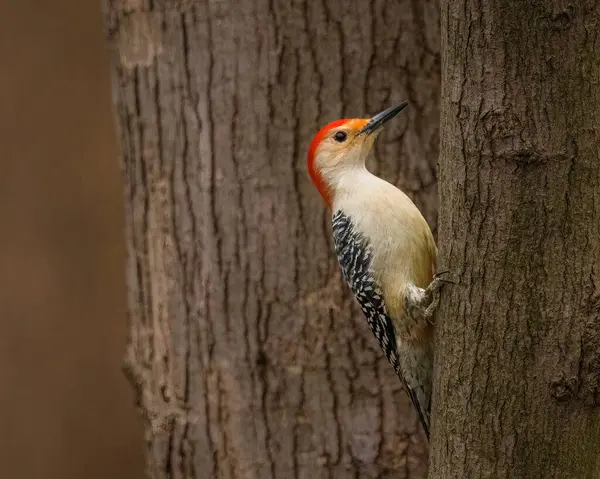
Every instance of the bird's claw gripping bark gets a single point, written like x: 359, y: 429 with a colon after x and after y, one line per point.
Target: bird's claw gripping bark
x: 431, y: 295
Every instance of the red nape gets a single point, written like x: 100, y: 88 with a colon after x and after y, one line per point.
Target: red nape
x: 315, y: 174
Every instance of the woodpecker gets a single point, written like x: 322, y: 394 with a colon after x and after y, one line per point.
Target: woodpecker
x: 385, y: 250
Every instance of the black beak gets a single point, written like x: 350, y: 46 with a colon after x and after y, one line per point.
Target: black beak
x: 379, y: 119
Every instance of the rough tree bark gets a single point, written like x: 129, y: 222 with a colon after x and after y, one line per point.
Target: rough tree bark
x: 518, y: 345
x: 248, y: 354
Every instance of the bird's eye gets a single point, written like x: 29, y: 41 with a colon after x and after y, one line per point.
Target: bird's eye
x: 340, y: 136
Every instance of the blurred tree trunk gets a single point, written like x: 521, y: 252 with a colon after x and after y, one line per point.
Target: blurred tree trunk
x: 518, y: 347
x: 248, y: 354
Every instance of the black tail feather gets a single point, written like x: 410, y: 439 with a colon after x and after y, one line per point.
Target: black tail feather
x: 423, y: 414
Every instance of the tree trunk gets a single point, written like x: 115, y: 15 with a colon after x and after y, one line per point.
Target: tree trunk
x: 249, y: 356
x: 518, y: 345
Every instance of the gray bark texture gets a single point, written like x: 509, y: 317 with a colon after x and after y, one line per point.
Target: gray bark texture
x: 517, y: 378
x: 249, y: 356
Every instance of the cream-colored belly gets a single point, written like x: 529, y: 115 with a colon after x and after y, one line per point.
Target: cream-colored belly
x: 403, y: 250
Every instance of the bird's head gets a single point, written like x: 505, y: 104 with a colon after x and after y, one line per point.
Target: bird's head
x: 343, y: 144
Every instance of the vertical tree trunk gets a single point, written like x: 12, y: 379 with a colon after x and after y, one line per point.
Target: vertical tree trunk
x: 518, y: 346
x: 249, y: 356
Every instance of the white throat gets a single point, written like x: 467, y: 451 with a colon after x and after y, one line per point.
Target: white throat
x: 353, y: 182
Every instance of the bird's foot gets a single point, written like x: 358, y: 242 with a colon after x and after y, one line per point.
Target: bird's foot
x: 431, y: 296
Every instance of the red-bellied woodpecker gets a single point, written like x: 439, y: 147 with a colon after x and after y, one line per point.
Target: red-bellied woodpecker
x: 384, y: 247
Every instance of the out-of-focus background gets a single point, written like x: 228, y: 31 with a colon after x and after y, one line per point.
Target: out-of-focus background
x: 66, y: 409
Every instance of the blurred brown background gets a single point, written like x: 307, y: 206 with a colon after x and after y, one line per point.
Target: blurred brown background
x: 65, y: 408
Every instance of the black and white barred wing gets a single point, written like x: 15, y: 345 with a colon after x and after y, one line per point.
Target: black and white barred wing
x: 355, y: 255
x: 355, y: 258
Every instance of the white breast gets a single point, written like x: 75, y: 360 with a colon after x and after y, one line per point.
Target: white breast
x: 401, y: 241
